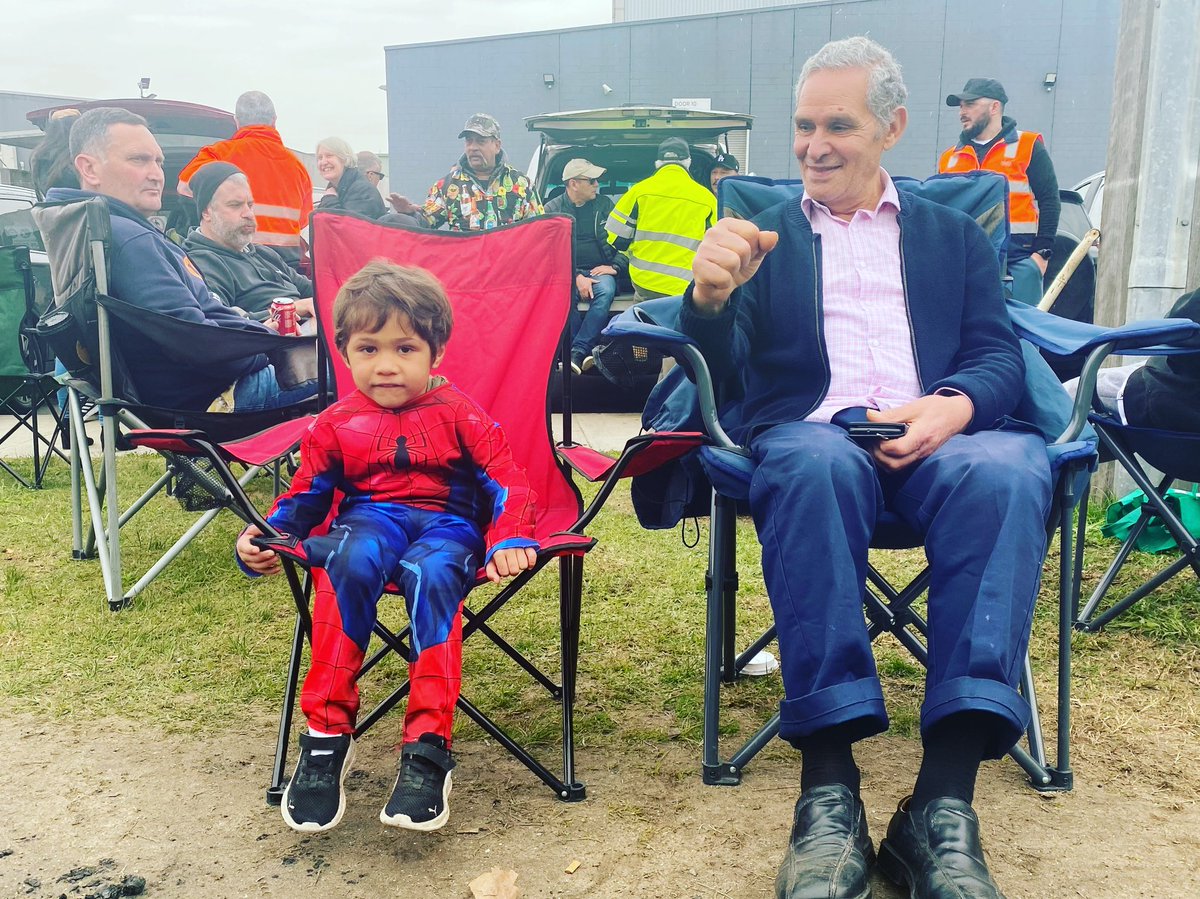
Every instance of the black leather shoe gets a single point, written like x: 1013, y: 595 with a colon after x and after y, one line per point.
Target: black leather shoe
x: 830, y: 854
x: 937, y: 852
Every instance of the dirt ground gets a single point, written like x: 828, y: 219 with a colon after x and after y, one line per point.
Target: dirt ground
x: 82, y: 807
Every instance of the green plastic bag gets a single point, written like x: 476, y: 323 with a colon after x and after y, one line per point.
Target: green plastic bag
x: 1123, y: 514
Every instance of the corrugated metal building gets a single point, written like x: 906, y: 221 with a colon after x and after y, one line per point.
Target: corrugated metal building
x: 748, y: 61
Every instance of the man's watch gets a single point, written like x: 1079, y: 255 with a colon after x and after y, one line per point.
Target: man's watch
x: 1045, y: 253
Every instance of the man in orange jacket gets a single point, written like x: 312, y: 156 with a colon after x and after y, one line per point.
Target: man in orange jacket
x: 280, y: 183
x: 990, y: 140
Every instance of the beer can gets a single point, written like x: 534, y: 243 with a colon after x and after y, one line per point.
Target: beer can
x: 283, y: 313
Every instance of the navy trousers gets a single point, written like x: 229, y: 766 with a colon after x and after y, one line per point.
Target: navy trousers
x: 979, y: 501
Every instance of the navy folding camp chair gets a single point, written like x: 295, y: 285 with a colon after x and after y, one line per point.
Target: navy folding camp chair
x: 510, y: 290
x: 689, y: 399
x: 727, y: 468
x: 77, y: 327
x: 27, y: 381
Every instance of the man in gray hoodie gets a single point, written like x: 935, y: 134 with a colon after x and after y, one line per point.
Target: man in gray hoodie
x: 241, y: 273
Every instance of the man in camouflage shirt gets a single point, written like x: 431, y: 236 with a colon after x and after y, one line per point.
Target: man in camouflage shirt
x: 483, y: 191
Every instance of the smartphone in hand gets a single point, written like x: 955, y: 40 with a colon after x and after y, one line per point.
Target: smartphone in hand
x: 876, y: 430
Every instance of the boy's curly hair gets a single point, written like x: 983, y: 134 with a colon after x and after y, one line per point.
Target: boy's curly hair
x: 380, y: 290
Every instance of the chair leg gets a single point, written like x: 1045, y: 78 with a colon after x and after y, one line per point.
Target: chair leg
x: 570, y: 603
x: 722, y: 524
x: 283, y: 739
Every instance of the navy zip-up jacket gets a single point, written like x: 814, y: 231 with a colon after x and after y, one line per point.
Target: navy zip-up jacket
x: 148, y: 270
x: 771, y: 329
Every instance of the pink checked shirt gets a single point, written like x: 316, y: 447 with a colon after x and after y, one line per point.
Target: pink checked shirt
x: 867, y: 332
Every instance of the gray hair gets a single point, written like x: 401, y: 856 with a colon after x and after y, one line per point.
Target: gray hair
x: 686, y: 163
x: 369, y: 162
x: 254, y: 108
x: 236, y: 177
x: 90, y: 133
x: 885, y: 85
x: 340, y: 149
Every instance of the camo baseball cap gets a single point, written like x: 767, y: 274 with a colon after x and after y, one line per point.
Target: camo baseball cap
x: 481, y: 124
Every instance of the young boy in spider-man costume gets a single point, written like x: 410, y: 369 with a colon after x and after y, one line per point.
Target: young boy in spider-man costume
x: 429, y: 490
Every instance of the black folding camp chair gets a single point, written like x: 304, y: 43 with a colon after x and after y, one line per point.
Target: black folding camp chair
x: 1141, y: 452
x: 77, y: 327
x: 27, y: 381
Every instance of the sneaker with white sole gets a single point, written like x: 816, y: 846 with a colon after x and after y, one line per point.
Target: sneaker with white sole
x: 420, y: 798
x: 315, y: 799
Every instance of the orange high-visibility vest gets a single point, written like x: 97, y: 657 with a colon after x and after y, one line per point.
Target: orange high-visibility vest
x: 1012, y: 161
x: 279, y: 182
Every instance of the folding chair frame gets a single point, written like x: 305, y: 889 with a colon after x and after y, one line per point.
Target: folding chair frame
x: 1155, y: 507
x: 886, y: 608
x: 568, y: 546
x: 37, y: 388
x: 100, y: 491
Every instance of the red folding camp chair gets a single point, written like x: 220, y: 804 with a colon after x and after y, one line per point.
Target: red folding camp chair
x: 509, y: 289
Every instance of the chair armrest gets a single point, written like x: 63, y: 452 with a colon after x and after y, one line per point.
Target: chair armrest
x: 631, y: 327
x: 1063, y: 337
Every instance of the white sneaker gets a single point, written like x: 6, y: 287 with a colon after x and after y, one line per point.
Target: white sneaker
x: 761, y: 665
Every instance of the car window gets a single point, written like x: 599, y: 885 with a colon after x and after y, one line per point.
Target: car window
x: 1097, y: 205
x: 17, y: 228
x: 11, y: 204
x: 624, y: 165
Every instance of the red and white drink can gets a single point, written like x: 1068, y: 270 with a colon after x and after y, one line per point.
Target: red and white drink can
x: 283, y: 313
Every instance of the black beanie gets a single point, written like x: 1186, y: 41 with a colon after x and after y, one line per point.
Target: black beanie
x: 207, y: 179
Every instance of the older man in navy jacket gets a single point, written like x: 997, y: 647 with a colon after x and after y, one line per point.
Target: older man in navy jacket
x: 858, y: 296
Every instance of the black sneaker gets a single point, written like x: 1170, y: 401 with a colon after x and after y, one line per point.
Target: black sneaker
x: 420, y: 797
x: 314, y: 799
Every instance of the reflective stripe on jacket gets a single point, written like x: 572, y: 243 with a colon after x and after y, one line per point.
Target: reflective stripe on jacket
x: 660, y: 222
x: 1010, y: 159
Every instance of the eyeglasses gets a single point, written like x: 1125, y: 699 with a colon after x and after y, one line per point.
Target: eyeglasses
x: 588, y: 180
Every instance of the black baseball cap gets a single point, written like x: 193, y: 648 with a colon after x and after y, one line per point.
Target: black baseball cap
x: 726, y: 161
x: 979, y: 87
x: 674, y: 149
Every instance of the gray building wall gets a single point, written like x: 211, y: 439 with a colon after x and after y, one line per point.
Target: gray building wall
x: 637, y: 10
x: 749, y: 61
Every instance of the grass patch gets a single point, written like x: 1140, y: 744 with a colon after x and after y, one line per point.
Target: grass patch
x: 204, y: 645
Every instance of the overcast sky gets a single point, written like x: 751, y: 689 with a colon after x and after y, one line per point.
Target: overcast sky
x: 322, y: 63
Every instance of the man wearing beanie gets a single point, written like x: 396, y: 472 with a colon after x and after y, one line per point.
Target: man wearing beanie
x: 239, y: 272
x: 660, y: 223
x: 117, y: 157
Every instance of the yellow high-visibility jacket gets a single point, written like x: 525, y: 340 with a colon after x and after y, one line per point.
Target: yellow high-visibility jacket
x: 659, y: 224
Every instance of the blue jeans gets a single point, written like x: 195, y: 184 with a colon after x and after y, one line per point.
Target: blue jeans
x: 979, y: 501
x: 1027, y: 280
x: 586, y: 326
x: 259, y: 390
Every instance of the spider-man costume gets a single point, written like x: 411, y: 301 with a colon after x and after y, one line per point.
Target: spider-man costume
x: 416, y: 489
